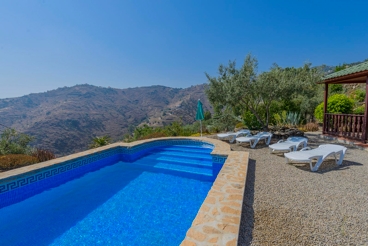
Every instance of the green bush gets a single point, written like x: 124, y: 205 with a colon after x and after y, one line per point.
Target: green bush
x: 250, y: 121
x: 336, y: 104
x: 12, y: 142
x: 99, y: 142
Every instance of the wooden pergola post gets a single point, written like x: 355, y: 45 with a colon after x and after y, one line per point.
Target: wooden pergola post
x: 325, y: 109
x: 365, y: 137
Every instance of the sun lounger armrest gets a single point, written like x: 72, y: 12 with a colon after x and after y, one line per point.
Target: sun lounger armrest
x: 306, y: 148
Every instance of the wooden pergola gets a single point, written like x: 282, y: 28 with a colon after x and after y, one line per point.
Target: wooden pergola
x: 351, y: 126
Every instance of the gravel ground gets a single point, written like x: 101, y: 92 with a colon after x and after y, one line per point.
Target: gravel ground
x: 287, y: 204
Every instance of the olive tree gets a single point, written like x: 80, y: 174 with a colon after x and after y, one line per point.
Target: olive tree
x: 234, y: 88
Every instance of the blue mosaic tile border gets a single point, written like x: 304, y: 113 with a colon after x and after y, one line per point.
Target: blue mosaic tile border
x: 218, y: 159
x: 20, y: 187
x: 217, y: 163
x: 28, y: 178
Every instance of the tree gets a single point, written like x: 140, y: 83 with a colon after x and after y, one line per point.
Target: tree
x: 242, y: 87
x: 235, y: 87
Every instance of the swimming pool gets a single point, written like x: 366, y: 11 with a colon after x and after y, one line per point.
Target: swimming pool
x: 145, y: 195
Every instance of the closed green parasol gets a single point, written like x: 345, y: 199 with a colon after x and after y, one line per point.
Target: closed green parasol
x: 200, y: 115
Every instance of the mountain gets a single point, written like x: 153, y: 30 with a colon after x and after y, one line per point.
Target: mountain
x: 66, y: 119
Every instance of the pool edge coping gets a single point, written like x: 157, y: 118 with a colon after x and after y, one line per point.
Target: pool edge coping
x: 218, y: 219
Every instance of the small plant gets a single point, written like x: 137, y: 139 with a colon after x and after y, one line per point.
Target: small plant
x: 8, y: 162
x: 99, y: 141
x: 287, y: 119
x: 292, y: 119
x: 43, y: 155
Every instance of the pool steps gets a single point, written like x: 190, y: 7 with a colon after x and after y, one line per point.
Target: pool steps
x: 193, y: 163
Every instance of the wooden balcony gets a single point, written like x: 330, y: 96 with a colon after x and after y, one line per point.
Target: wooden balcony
x: 345, y: 125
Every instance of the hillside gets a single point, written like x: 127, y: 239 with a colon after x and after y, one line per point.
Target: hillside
x: 66, y: 119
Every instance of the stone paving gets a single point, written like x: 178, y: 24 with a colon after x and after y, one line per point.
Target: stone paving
x: 218, y: 220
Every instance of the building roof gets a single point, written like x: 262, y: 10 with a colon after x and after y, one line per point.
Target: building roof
x: 348, y: 74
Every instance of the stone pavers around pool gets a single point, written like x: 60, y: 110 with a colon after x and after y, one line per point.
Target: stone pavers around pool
x: 218, y: 220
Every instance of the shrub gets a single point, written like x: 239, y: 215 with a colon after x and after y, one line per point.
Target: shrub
x: 207, y: 115
x: 99, y: 141
x: 250, y: 120
x: 359, y: 110
x: 293, y: 119
x: 43, y: 155
x: 309, y: 127
x: 287, y: 119
x: 337, y: 104
x: 12, y: 142
x: 12, y: 161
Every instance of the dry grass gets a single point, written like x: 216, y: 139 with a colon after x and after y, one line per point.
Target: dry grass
x: 8, y: 162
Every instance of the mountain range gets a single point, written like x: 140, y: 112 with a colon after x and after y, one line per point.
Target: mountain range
x: 65, y: 120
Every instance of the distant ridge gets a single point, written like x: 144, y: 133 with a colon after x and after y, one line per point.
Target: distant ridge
x: 66, y: 119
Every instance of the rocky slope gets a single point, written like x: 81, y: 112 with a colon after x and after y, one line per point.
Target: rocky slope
x: 66, y: 119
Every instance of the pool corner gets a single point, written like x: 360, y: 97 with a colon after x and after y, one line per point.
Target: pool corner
x: 218, y: 220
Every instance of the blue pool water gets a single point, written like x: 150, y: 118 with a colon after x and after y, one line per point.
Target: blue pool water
x: 151, y: 201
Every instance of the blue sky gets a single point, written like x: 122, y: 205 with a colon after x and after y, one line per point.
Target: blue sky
x: 54, y: 43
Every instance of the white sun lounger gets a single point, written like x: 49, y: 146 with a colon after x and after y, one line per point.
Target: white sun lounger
x: 232, y: 135
x: 254, y: 139
x: 290, y: 144
x: 321, y: 153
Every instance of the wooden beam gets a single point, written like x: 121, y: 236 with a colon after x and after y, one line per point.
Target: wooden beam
x: 325, y: 109
x: 365, y: 125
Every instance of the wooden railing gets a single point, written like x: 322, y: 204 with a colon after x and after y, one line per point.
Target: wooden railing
x: 345, y: 125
